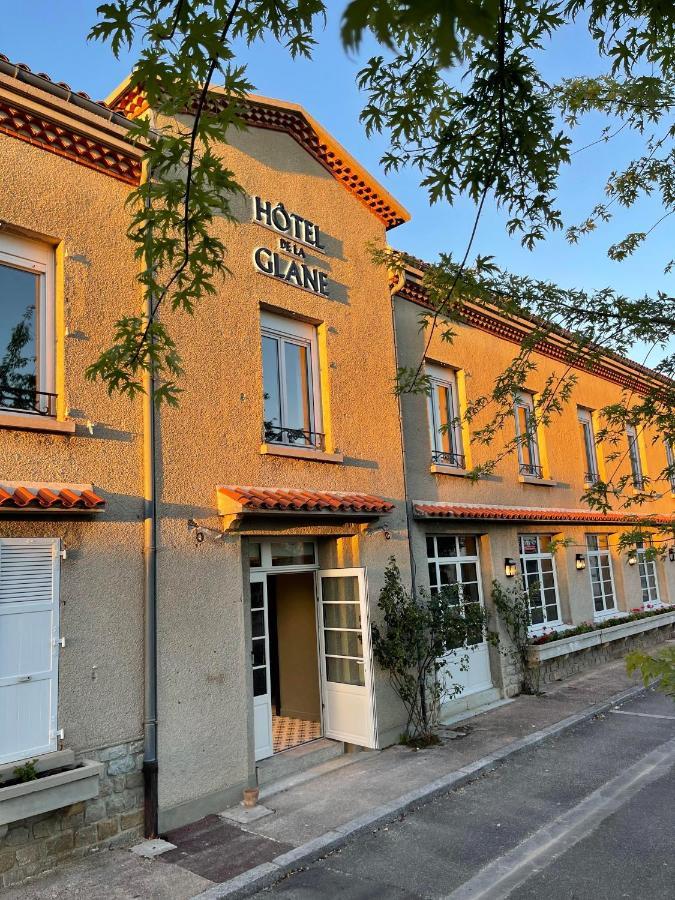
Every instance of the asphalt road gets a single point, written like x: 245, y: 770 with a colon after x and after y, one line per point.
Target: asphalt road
x: 588, y: 814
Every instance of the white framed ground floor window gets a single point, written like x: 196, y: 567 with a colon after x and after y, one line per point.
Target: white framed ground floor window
x: 601, y: 575
x: 540, y: 580
x: 29, y: 646
x: 454, y: 562
x: 649, y: 580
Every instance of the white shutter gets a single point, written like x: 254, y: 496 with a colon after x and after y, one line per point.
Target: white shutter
x: 29, y: 632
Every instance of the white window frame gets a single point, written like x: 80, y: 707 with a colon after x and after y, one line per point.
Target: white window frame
x: 637, y: 475
x: 442, y: 377
x: 651, y: 594
x: 591, y: 473
x: 539, y: 556
x: 597, y: 555
x: 37, y: 258
x: 293, y: 331
x: 670, y: 461
x: 524, y: 400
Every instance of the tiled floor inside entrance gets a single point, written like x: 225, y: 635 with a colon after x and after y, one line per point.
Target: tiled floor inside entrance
x: 287, y: 732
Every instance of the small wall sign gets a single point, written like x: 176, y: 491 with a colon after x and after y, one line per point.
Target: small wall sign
x: 296, y: 236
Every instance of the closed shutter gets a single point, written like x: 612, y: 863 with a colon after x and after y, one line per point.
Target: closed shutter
x: 29, y: 631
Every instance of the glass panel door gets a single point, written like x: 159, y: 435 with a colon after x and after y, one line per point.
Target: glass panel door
x: 260, y: 665
x: 346, y: 665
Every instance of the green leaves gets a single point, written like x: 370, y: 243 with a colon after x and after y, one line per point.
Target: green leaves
x: 659, y: 667
x: 177, y: 213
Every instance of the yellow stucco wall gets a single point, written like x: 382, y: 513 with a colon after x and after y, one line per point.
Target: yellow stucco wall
x: 101, y: 669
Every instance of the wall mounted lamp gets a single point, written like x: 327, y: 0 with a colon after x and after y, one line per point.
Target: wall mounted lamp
x: 509, y: 567
x: 671, y: 554
x: 581, y: 561
x: 632, y: 558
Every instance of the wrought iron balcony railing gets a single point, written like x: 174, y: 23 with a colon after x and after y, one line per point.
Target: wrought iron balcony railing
x: 456, y: 460
x: 531, y: 470
x: 27, y: 400
x: 294, y: 437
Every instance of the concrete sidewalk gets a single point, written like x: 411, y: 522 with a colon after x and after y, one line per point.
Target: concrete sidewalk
x: 222, y: 858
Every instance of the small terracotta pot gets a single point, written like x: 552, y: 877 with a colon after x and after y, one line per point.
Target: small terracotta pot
x: 250, y: 797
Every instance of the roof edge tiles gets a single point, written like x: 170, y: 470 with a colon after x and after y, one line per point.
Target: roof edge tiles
x: 610, y: 366
x: 534, y: 514
x: 237, y: 500
x: 294, y: 120
x: 48, y: 497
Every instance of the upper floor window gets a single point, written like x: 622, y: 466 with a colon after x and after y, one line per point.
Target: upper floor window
x: 446, y: 434
x: 291, y: 387
x: 526, y: 434
x: 649, y: 582
x: 634, y: 455
x: 670, y: 460
x: 588, y: 442
x: 26, y: 326
x: 602, y: 578
x: 539, y: 579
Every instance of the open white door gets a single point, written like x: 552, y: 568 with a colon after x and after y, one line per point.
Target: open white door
x: 260, y: 662
x: 346, y: 659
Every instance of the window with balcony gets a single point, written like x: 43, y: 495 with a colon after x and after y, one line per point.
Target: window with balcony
x: 670, y: 461
x: 26, y: 326
x: 649, y: 582
x: 291, y: 387
x: 529, y: 463
x: 601, y: 575
x: 443, y: 404
x: 634, y: 455
x: 537, y: 568
x: 588, y: 443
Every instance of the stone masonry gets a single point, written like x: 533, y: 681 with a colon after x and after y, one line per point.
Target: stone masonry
x: 564, y: 666
x: 114, y: 818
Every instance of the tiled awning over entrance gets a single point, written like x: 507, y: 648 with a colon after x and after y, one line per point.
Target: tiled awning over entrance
x: 48, y: 497
x: 534, y: 514
x: 235, y: 500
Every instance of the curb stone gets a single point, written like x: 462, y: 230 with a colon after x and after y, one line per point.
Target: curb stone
x: 267, y: 874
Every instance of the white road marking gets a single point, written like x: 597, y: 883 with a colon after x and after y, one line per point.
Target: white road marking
x: 498, y: 879
x: 626, y: 712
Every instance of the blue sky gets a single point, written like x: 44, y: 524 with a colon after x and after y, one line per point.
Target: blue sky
x: 50, y: 35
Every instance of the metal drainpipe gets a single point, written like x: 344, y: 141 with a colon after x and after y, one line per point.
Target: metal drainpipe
x: 150, y: 764
x: 408, y: 501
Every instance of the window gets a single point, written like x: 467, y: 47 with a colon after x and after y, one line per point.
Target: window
x: 26, y: 326
x: 649, y: 582
x: 634, y: 454
x: 446, y: 434
x: 292, y: 406
x: 526, y: 434
x: 453, y: 563
x: 29, y: 655
x: 670, y: 461
x: 539, y: 579
x: 602, y: 578
x: 588, y: 443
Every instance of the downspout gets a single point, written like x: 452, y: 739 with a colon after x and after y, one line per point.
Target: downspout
x: 150, y: 764
x: 398, y: 283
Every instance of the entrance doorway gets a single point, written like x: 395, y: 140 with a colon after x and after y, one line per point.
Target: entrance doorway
x: 310, y: 650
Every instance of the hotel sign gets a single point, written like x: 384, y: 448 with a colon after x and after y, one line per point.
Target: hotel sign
x: 296, y: 237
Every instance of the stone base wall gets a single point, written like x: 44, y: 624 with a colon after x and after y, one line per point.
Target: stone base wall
x: 571, y: 663
x: 114, y: 818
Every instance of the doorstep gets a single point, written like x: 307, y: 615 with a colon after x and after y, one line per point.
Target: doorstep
x: 298, y: 759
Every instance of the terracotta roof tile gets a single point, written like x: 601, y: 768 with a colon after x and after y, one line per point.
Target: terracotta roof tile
x: 253, y: 499
x: 532, y: 514
x: 48, y: 496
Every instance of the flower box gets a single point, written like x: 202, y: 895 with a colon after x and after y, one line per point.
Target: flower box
x: 539, y: 653
x: 49, y: 792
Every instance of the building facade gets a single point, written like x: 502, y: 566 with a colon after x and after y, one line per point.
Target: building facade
x: 225, y: 558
